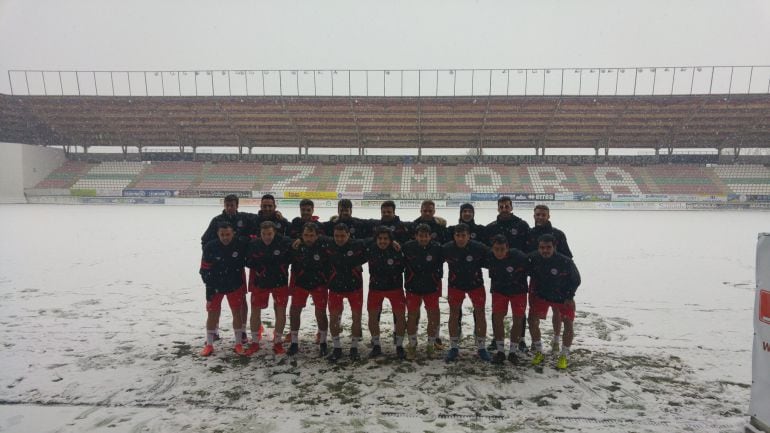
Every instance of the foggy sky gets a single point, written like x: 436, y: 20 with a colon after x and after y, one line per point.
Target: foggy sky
x: 238, y: 34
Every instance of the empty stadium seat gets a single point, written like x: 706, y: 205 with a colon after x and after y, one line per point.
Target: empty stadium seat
x: 65, y: 176
x: 672, y: 179
x: 174, y: 176
x: 745, y: 179
x: 110, y: 175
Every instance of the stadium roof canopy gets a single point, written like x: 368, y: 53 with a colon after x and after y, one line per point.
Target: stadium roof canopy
x: 360, y: 121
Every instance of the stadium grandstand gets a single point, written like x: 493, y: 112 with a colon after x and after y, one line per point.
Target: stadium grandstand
x: 695, y: 125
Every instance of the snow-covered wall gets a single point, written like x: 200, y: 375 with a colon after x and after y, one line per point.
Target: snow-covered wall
x: 39, y: 162
x: 23, y: 166
x: 11, y: 174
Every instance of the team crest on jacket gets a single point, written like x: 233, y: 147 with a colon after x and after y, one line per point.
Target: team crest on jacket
x: 433, y: 235
x: 428, y: 258
x: 235, y: 254
x: 240, y: 223
x: 473, y: 235
x: 350, y: 253
x: 352, y: 230
x: 277, y: 252
x: 514, y: 232
x: 509, y: 269
x: 469, y: 258
x: 316, y: 257
x: 390, y: 262
x: 554, y: 271
x: 277, y: 225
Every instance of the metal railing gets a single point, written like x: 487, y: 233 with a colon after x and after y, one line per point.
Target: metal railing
x: 668, y: 80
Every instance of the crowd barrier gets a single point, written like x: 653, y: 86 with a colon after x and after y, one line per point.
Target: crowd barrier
x: 405, y: 204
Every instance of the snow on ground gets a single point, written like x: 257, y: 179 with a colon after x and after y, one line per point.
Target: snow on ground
x: 102, y: 317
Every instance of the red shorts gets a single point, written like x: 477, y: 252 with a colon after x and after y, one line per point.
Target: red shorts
x: 395, y: 296
x: 320, y: 297
x: 234, y: 300
x: 414, y: 300
x: 253, y: 282
x: 259, y: 297
x: 518, y: 304
x: 478, y: 297
x: 355, y: 298
x: 539, y: 308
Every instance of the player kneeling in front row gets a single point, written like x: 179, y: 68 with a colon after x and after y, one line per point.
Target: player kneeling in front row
x: 222, y: 272
x: 555, y: 280
x: 508, y: 272
x: 386, y: 280
x: 424, y: 271
x: 309, y: 266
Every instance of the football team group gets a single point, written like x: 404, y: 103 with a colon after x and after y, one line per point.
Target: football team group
x: 292, y: 261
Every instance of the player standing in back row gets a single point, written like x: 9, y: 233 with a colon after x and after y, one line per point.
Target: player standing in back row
x: 357, y: 227
x: 268, y: 212
x: 402, y: 230
x: 509, y: 225
x: 468, y: 216
x: 297, y: 225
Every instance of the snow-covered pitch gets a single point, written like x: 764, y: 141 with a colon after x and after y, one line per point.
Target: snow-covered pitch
x: 102, y: 314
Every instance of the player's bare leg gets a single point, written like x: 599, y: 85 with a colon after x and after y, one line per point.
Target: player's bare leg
x: 212, y: 321
x: 517, y: 328
x: 295, y: 314
x: 400, y: 318
x: 454, y: 332
x: 323, y: 328
x: 480, y: 330
x: 569, y: 332
x: 556, y: 321
x: 255, y: 324
x: 335, y: 328
x: 356, y: 331
x: 537, y: 345
x: 280, y: 324
x: 498, y: 330
x: 374, y: 331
